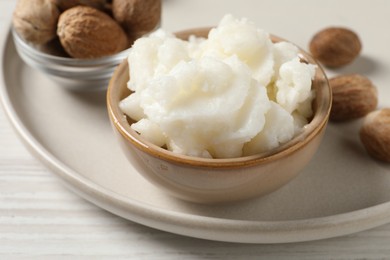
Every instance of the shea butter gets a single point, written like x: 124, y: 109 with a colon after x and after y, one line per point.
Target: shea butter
x: 233, y: 94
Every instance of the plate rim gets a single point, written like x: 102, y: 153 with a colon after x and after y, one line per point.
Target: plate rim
x: 186, y: 224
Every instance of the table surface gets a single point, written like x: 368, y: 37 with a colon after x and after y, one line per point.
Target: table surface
x: 39, y: 217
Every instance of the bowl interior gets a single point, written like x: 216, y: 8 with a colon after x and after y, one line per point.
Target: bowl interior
x: 118, y: 90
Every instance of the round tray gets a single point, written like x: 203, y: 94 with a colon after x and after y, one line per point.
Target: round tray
x: 341, y: 191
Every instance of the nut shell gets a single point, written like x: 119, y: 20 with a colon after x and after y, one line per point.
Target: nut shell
x: 354, y: 96
x: 137, y: 16
x: 86, y: 32
x: 335, y: 47
x: 36, y: 20
x: 67, y: 4
x: 375, y: 134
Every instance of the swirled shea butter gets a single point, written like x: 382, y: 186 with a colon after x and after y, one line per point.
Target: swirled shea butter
x: 233, y: 94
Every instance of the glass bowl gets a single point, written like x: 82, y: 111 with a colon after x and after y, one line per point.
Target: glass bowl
x: 71, y: 73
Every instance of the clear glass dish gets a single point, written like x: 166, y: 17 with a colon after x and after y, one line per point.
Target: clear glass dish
x: 71, y: 73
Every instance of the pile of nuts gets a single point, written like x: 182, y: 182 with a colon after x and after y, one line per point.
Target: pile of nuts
x: 86, y: 28
x: 354, y: 95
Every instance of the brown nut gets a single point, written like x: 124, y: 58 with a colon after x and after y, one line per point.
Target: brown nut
x: 67, y: 4
x: 375, y: 134
x: 354, y: 96
x: 86, y: 32
x: 137, y: 16
x: 335, y: 47
x: 36, y: 20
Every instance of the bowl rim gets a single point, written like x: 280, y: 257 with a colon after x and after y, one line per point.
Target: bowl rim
x: 310, y: 131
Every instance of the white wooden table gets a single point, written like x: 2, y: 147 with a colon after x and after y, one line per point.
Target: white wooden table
x: 40, y: 218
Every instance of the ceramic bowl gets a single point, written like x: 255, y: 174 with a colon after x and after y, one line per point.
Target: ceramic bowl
x: 71, y: 73
x: 218, y: 180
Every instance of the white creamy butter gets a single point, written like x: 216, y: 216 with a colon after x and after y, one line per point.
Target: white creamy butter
x: 230, y: 95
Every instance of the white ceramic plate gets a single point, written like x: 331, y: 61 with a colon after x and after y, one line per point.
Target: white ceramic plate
x: 342, y: 191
